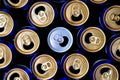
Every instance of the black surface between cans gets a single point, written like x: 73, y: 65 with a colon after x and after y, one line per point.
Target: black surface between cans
x: 21, y: 15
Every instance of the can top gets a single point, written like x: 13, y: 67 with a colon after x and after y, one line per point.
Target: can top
x: 106, y: 72
x: 17, y: 74
x: 6, y: 23
x: 60, y: 39
x: 76, y: 13
x: 44, y: 66
x: 5, y: 55
x: 92, y: 39
x: 27, y: 41
x: 98, y: 1
x: 76, y: 66
x: 115, y: 48
x: 112, y: 18
x: 41, y: 14
x: 17, y: 3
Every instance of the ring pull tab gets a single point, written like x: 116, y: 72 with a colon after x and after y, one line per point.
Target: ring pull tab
x: 94, y: 40
x: 3, y: 21
x: 76, y: 64
x: 76, y: 13
x: 107, y: 75
x: 42, y: 16
x: 18, y: 78
x: 116, y: 18
x: 27, y: 42
x: 1, y: 53
x: 58, y: 38
x: 46, y: 66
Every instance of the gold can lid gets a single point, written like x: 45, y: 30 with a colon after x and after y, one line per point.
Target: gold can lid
x: 17, y: 3
x: 112, y: 18
x: 98, y: 1
x: 17, y: 74
x: 115, y: 49
x: 106, y: 72
x: 41, y: 14
x: 76, y: 66
x: 92, y: 39
x: 44, y: 67
x: 76, y: 13
x: 27, y: 41
x: 5, y: 55
x: 6, y: 24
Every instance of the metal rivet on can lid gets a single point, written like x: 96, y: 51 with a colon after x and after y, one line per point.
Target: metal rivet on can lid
x: 17, y: 74
x: 6, y: 23
x: 112, y: 18
x: 98, y: 1
x: 76, y: 66
x: 76, y: 13
x: 27, y: 41
x: 41, y: 14
x: 44, y: 67
x: 17, y: 3
x: 106, y: 72
x: 115, y: 49
x: 5, y: 55
x: 92, y: 39
x: 60, y: 39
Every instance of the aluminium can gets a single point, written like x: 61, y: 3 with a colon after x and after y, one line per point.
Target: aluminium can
x: 60, y: 39
x: 104, y: 70
x: 27, y: 41
x: 41, y: 14
x: 91, y: 39
x: 98, y: 1
x: 75, y: 12
x: 75, y: 65
x: 44, y: 66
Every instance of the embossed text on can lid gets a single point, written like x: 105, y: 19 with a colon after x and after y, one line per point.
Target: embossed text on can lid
x: 44, y: 66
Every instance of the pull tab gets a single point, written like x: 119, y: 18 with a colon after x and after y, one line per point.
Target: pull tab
x: 17, y: 78
x: 76, y: 64
x: 107, y: 75
x: 116, y: 18
x: 3, y: 21
x: 58, y: 38
x: 42, y: 16
x: 76, y: 10
x: 94, y: 40
x: 1, y: 53
x: 27, y: 42
x: 46, y: 66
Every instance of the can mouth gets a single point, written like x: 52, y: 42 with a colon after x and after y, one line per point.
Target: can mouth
x: 15, y: 1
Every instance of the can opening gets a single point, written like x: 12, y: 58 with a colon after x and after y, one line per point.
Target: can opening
x: 118, y: 52
x: 73, y: 70
x: 39, y: 68
x: 40, y: 8
x: 103, y: 70
x: 2, y: 60
x: 65, y: 42
x: 13, y: 76
x: 28, y: 47
x: 15, y: 1
x: 2, y: 29
x: 76, y: 18
x: 88, y: 35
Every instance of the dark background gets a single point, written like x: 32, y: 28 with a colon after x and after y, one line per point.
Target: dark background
x: 21, y: 20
